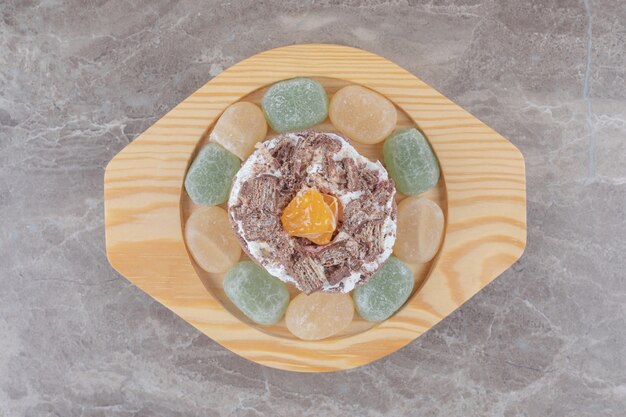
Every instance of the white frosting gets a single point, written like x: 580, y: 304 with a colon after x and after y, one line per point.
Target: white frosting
x: 257, y: 248
x: 314, y: 168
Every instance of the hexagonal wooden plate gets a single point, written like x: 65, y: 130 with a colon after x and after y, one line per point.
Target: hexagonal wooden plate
x: 482, y: 193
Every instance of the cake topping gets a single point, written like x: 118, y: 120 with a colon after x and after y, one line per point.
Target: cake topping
x: 314, y: 212
x: 311, y: 215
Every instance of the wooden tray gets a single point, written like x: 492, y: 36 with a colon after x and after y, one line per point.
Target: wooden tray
x: 482, y: 192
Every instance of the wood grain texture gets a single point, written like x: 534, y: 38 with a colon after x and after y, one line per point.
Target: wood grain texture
x: 482, y: 193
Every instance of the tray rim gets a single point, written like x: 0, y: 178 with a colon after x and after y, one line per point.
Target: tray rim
x: 132, y: 251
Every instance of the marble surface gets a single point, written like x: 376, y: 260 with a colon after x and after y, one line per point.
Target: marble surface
x: 80, y: 79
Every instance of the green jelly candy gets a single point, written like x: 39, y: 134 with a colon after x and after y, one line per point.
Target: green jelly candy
x: 211, y: 174
x: 385, y: 292
x: 259, y: 295
x: 410, y: 161
x: 295, y: 104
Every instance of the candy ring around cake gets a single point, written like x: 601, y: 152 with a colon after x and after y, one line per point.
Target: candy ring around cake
x: 482, y: 193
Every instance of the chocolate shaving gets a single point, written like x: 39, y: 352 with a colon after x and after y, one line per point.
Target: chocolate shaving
x: 282, y: 152
x: 370, y: 235
x: 309, y: 273
x: 384, y: 192
x: 259, y: 225
x: 334, y: 254
x: 335, y: 274
x: 334, y: 170
x: 264, y: 194
x: 360, y: 210
x: 352, y: 175
x: 370, y: 180
x: 321, y: 143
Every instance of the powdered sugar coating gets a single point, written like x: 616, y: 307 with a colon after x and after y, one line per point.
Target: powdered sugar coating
x: 295, y: 104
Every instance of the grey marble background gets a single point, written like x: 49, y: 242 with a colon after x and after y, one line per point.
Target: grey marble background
x: 79, y: 80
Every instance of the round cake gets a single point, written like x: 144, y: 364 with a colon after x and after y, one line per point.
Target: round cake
x: 283, y: 167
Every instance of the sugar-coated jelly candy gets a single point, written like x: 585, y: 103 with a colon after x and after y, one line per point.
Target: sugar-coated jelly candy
x: 410, y: 161
x: 419, y: 231
x: 319, y: 315
x: 211, y: 174
x: 262, y: 297
x: 211, y: 240
x: 295, y: 104
x: 239, y: 128
x: 385, y: 292
x: 362, y: 114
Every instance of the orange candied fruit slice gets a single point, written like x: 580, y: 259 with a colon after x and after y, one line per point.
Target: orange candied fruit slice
x: 311, y: 215
x: 334, y: 205
x: 325, y: 238
x: 321, y: 239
